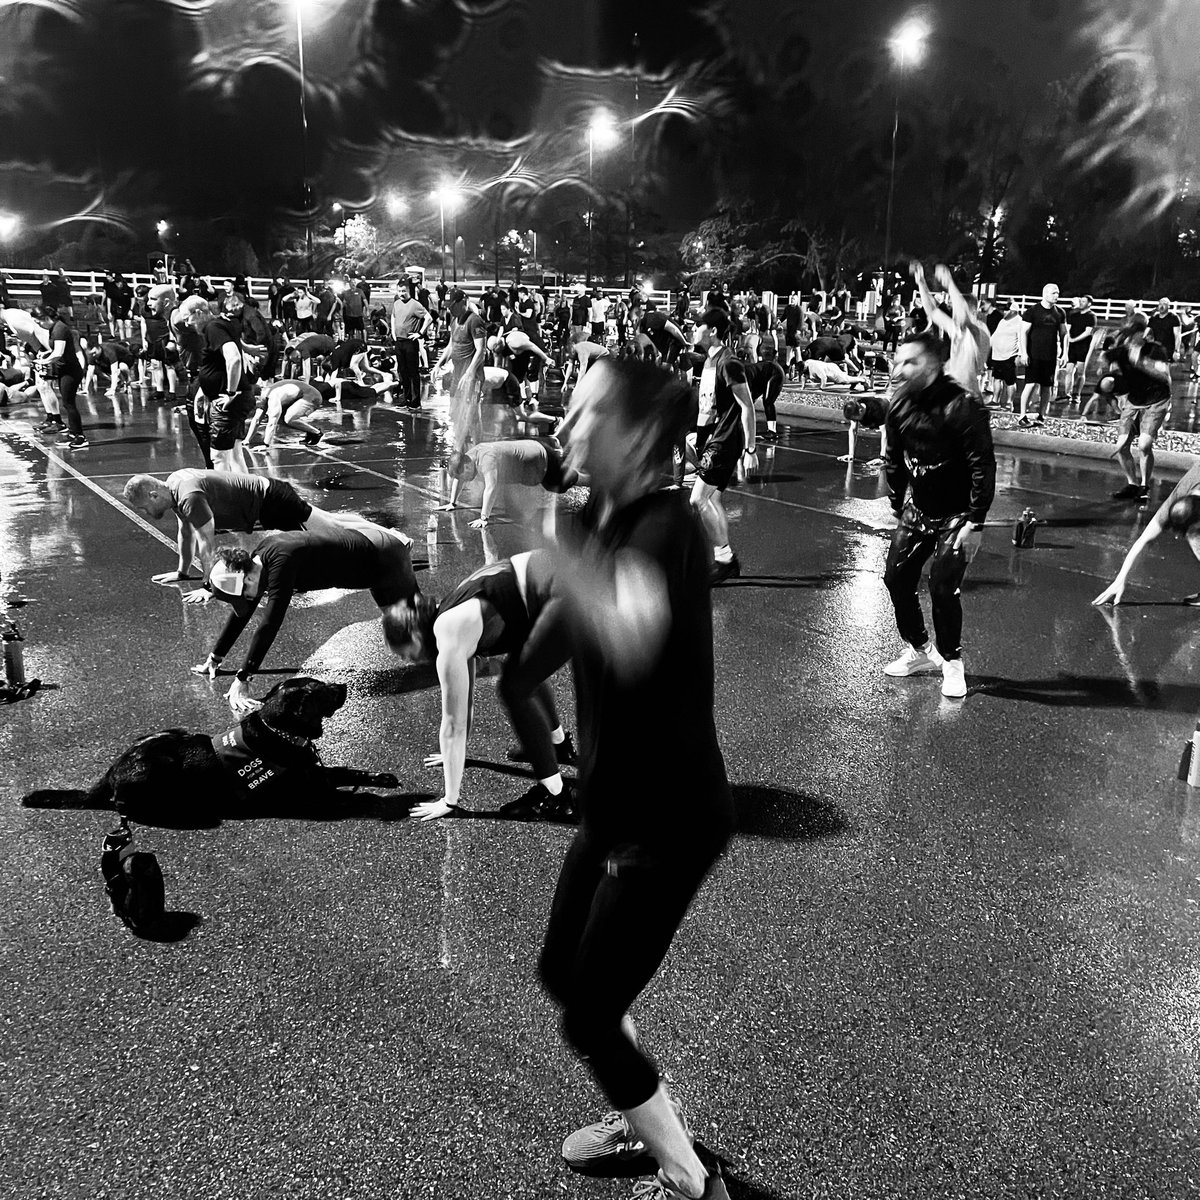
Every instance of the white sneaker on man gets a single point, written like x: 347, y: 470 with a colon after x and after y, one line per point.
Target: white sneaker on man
x: 914, y: 661
x: 954, y: 679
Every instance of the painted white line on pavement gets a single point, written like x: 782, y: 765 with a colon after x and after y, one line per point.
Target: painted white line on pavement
x: 123, y: 509
x: 346, y: 462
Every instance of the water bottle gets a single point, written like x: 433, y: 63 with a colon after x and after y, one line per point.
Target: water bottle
x: 1025, y: 530
x: 14, y: 653
x: 431, y: 528
x: 443, y: 477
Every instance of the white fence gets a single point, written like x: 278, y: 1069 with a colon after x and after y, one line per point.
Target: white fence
x: 23, y: 285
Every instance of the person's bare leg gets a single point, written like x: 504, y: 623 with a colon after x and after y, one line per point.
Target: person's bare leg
x: 658, y: 1124
x: 1146, y: 450
x: 1125, y: 457
x: 1026, y: 392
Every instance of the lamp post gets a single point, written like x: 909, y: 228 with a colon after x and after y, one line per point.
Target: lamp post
x: 907, y: 45
x: 304, y: 182
x: 337, y: 208
x: 602, y: 132
x: 448, y: 197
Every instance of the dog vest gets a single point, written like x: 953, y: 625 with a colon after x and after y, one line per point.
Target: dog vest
x: 250, y: 769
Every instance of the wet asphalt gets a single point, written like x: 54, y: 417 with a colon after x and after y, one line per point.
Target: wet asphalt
x: 951, y: 951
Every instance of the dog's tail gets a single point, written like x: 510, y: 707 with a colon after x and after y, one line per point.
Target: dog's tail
x: 99, y: 796
x: 61, y: 798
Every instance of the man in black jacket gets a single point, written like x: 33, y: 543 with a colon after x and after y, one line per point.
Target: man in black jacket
x: 941, y: 475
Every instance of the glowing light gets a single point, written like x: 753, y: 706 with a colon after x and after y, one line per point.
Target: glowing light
x: 448, y: 197
x: 337, y: 208
x: 908, y: 42
x: 602, y: 130
x: 397, y: 206
x: 162, y: 228
x: 9, y: 224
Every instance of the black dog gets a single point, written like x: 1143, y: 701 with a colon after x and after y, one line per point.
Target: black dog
x: 267, y: 762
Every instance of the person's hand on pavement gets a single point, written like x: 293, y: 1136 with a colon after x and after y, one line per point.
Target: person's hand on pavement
x: 431, y: 810
x: 171, y: 577
x: 197, y: 596
x: 433, y: 760
x: 208, y: 667
x: 1113, y: 594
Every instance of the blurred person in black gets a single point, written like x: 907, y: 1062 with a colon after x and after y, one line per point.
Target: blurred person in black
x: 159, y: 350
x: 118, y: 302
x: 1081, y: 325
x: 1043, y: 335
x: 638, y: 611
x: 1164, y: 327
x: 1139, y: 375
x: 941, y: 477
x: 258, y: 341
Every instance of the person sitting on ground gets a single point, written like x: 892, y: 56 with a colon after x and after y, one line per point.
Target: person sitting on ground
x: 508, y: 608
x: 527, y: 462
x: 1179, y: 512
x: 293, y: 401
x: 204, y: 501
x: 358, y: 554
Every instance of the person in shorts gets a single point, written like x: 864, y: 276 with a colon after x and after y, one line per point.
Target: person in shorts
x: 725, y: 435
x: 1140, y: 369
x: 1081, y: 326
x: 1043, y: 333
x: 223, y: 381
x: 1006, y: 346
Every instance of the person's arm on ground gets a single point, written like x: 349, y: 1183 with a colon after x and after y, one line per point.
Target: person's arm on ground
x: 491, y: 485
x: 851, y: 437
x: 1155, y: 528
x: 458, y: 633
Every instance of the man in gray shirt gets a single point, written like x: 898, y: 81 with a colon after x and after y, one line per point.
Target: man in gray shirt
x: 410, y: 320
x: 202, y: 501
x: 528, y: 462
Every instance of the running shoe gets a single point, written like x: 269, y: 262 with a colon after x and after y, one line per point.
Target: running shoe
x: 564, y: 751
x: 954, y: 678
x: 1039, y: 420
x: 660, y: 1189
x: 538, y: 804
x: 609, y: 1146
x: 78, y: 442
x: 1131, y: 491
x: 722, y: 571
x: 769, y: 435
x: 1193, y: 601
x: 311, y: 439
x: 49, y: 425
x: 64, y: 436
x: 914, y: 662
x: 1025, y: 423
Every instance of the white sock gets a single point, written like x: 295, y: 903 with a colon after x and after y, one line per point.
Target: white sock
x: 558, y: 736
x: 771, y: 425
x: 723, y: 554
x: 553, y: 785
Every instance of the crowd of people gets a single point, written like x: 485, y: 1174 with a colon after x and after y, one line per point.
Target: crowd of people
x: 659, y: 418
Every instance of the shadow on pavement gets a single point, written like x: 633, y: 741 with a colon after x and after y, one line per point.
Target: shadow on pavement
x: 783, y: 581
x: 397, y: 680
x: 173, y: 927
x: 1090, y: 691
x: 772, y: 812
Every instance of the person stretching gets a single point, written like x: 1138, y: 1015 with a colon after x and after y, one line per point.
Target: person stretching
x: 508, y: 608
x: 528, y: 462
x: 358, y: 554
x: 291, y: 402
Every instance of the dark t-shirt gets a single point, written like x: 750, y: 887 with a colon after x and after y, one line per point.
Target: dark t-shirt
x: 1140, y: 387
x: 826, y: 349
x: 229, y: 499
x: 1079, y: 321
x: 62, y: 332
x: 1165, y: 327
x: 339, y: 360
x: 1045, y: 326
x: 114, y: 352
x: 662, y: 799
x: 213, y: 373
x: 791, y: 318
x: 994, y: 318
x: 581, y: 308
x: 353, y: 303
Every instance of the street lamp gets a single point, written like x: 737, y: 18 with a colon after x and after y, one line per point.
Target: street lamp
x: 162, y: 228
x: 602, y: 133
x: 337, y: 209
x: 397, y: 206
x: 448, y: 197
x: 304, y: 184
x: 907, y: 45
x: 9, y: 224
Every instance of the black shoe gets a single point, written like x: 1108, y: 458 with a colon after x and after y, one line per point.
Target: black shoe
x: 311, y: 439
x: 538, y: 804
x: 49, y: 425
x: 1039, y: 420
x: 724, y: 570
x: 769, y: 435
x: 1025, y: 423
x: 1131, y: 491
x: 564, y: 752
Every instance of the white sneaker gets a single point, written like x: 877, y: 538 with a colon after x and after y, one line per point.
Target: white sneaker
x: 914, y: 662
x: 954, y: 679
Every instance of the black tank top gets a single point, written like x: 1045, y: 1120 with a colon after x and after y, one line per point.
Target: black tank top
x: 156, y: 329
x: 506, y: 622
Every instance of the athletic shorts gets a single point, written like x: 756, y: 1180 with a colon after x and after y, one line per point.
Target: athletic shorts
x: 1041, y: 371
x: 227, y: 419
x: 283, y: 507
x: 1144, y: 420
x: 354, y: 325
x: 1078, y: 353
x: 1005, y: 370
x: 719, y: 459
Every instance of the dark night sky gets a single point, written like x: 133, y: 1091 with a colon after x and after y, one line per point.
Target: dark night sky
x: 192, y: 105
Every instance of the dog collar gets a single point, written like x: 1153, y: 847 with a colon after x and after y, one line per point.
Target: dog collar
x: 295, y: 738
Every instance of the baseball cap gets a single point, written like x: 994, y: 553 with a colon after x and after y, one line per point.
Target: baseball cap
x: 229, y: 585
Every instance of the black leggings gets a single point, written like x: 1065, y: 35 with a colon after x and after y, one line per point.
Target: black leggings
x: 526, y: 694
x: 615, y: 912
x: 408, y: 365
x: 915, y: 539
x: 772, y: 390
x: 68, y: 385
